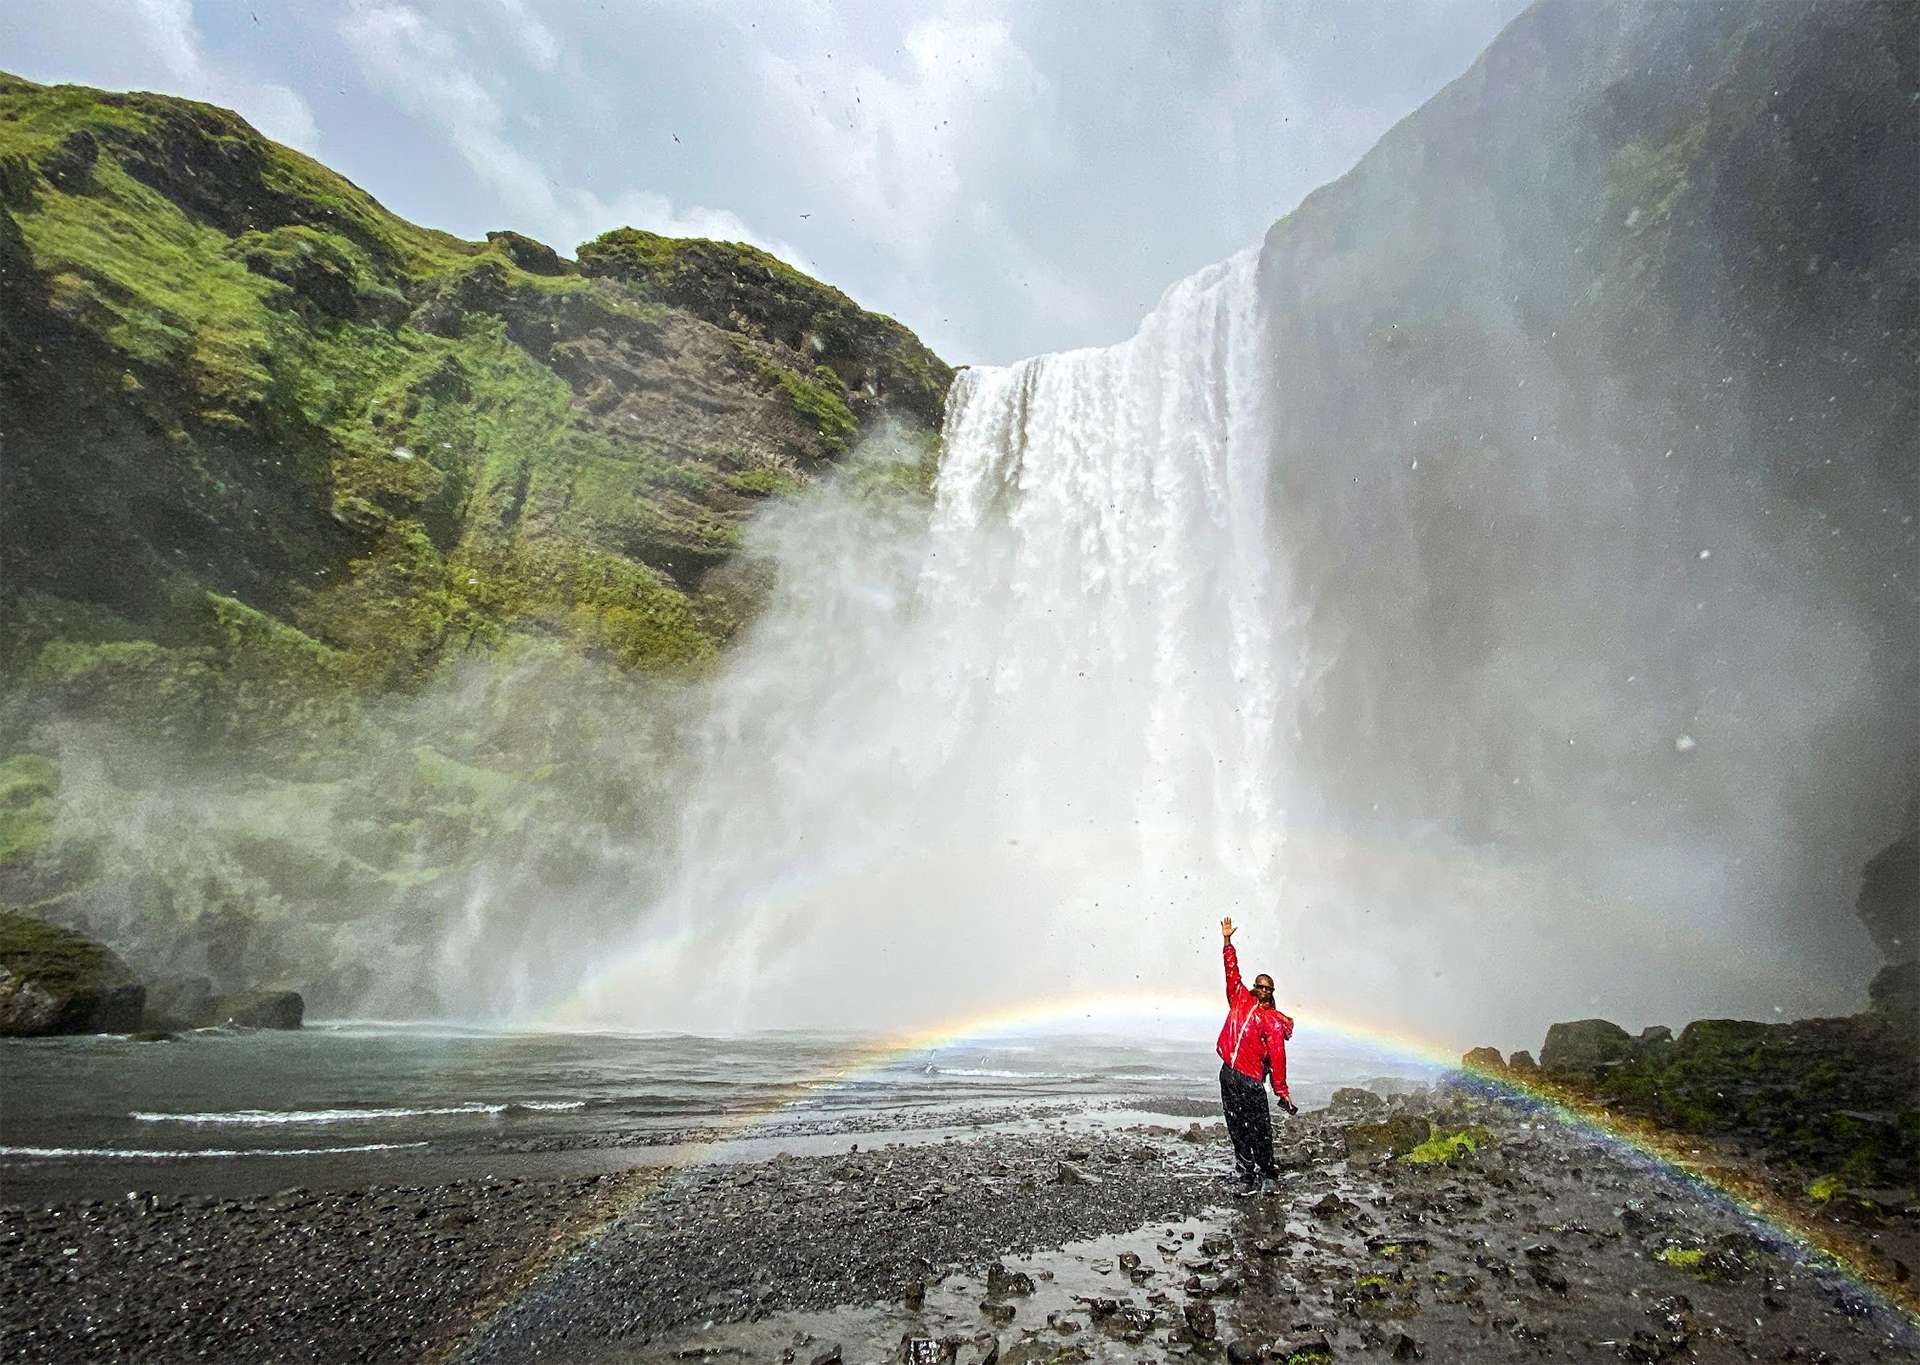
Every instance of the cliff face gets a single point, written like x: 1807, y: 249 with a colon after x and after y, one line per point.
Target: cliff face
x: 280, y: 467
x: 1598, y: 379
x: 228, y: 370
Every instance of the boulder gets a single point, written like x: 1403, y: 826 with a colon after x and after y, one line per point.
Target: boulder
x: 1390, y: 1138
x: 1654, y: 1036
x: 179, y: 1002
x: 1585, y: 1044
x: 536, y: 258
x: 1522, y: 1062
x: 55, y: 981
x: 1352, y: 1100
x: 1484, y: 1059
x: 258, y: 1009
x: 1003, y: 1282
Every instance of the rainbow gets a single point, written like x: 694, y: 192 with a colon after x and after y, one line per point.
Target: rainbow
x: 1661, y: 1153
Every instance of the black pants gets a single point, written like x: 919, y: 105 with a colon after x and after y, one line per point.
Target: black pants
x: 1249, y: 1124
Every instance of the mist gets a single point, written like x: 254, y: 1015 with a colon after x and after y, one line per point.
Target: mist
x: 1493, y: 589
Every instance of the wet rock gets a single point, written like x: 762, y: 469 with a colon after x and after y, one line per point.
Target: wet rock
x: 1350, y: 1101
x: 178, y: 1001
x: 828, y: 1356
x: 982, y: 1350
x: 259, y: 1009
x: 998, y: 1313
x: 1405, y: 1347
x: 1309, y: 1350
x: 1647, y: 1347
x: 1391, y: 1137
x: 1201, y: 1319
x: 54, y: 981
x: 1522, y: 1062
x: 1585, y: 1044
x: 1066, y: 1173
x: 1484, y: 1059
x: 1544, y: 1274
x: 1328, y: 1207
x: 1636, y: 1217
x: 914, y: 1295
x: 1241, y: 1351
x: 1002, y: 1282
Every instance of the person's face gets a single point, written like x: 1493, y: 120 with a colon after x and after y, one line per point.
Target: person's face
x: 1263, y: 989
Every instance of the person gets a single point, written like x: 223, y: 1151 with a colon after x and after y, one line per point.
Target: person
x: 1253, y: 1050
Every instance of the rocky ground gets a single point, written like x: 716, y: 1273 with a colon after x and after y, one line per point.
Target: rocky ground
x: 1389, y: 1238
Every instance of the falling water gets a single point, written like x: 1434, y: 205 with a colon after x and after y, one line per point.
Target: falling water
x: 1033, y: 748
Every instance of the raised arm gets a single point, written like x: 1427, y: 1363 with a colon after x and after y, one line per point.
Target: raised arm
x: 1236, y: 988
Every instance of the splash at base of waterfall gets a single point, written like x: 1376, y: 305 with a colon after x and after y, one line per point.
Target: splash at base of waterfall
x: 1033, y: 747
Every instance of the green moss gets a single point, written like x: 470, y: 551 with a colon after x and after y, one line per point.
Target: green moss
x: 744, y: 289
x: 250, y: 638
x: 1445, y: 1147
x: 820, y: 400
x: 57, y: 957
x: 765, y: 482
x: 1826, y: 1188
x: 28, y: 784
x: 1683, y: 1258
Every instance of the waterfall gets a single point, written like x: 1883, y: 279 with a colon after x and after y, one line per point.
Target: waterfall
x: 1032, y: 745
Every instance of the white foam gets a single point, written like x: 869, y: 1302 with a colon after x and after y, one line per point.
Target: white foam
x: 136, y: 1154
x: 268, y: 1117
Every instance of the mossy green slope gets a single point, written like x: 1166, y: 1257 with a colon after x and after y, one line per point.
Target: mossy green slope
x: 408, y: 533
x: 228, y: 369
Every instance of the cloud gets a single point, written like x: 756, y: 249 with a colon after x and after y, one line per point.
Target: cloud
x: 537, y: 41
x: 157, y: 44
x: 421, y: 66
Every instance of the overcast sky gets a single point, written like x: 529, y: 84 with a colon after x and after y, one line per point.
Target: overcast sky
x: 1003, y: 178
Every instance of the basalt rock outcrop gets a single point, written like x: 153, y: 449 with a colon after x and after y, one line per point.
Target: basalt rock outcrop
x: 55, y: 981
x: 1584, y: 1045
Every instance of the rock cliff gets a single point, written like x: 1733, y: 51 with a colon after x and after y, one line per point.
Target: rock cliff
x: 342, y: 553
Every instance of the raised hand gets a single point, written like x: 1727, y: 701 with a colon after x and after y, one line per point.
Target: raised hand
x: 1226, y: 928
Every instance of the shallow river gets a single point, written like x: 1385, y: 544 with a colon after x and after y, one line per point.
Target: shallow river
x: 360, y: 1103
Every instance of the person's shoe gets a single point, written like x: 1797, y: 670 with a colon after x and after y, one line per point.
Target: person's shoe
x: 1247, y: 1188
x: 1269, y: 1186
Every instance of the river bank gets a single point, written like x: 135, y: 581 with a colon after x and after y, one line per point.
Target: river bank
x: 1042, y: 1243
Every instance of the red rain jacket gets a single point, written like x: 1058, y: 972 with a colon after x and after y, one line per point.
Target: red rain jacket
x: 1254, y: 1039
